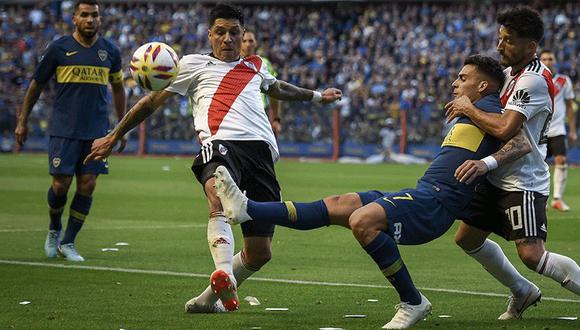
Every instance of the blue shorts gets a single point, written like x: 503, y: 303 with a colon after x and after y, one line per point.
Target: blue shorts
x: 65, y: 157
x: 414, y: 216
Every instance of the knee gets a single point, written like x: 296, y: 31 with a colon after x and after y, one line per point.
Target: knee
x: 530, y: 258
x: 60, y: 187
x: 86, y: 185
x: 362, y: 228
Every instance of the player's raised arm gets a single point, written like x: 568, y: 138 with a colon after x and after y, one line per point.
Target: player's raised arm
x: 32, y: 95
x: 515, y: 148
x: 284, y: 91
x: 103, y: 147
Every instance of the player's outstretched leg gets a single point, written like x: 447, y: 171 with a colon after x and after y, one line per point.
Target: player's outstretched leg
x: 518, y: 303
x: 238, y: 208
x: 224, y: 287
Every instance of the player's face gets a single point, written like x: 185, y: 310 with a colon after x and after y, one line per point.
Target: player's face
x: 249, y: 44
x: 467, y: 83
x: 87, y: 20
x: 512, y: 49
x: 225, y: 37
x: 549, y: 60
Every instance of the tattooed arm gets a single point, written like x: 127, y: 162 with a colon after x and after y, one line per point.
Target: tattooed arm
x: 103, y: 147
x: 515, y: 148
x: 284, y: 91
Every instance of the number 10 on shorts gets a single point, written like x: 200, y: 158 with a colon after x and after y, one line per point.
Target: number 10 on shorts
x: 514, y: 213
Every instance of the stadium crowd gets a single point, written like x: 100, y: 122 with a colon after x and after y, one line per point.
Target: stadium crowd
x: 385, y: 57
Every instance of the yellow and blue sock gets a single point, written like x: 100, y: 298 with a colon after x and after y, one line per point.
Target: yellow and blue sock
x: 302, y: 216
x: 385, y: 253
x: 79, y: 209
x: 56, y: 205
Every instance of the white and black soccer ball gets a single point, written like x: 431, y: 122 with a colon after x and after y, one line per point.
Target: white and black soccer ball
x: 154, y: 66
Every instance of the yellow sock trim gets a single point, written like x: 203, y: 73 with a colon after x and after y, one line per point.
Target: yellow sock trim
x: 292, y: 213
x: 392, y: 269
x: 77, y: 215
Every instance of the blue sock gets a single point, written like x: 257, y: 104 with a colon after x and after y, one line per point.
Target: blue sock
x: 385, y: 253
x: 55, y: 208
x: 79, y: 209
x: 303, y: 216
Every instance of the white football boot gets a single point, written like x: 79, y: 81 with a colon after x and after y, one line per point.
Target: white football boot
x: 191, y: 306
x: 70, y: 252
x: 518, y: 304
x: 407, y: 315
x: 234, y: 202
x: 51, y: 243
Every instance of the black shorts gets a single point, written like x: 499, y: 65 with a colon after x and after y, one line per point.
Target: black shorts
x: 556, y: 146
x: 510, y: 214
x: 251, y: 166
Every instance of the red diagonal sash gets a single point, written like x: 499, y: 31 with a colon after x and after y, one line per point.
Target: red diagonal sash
x: 229, y: 89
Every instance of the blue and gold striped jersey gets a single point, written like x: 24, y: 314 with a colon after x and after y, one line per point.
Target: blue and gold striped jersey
x: 464, y: 141
x: 82, y: 75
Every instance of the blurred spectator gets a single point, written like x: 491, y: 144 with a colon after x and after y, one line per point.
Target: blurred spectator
x: 386, y: 57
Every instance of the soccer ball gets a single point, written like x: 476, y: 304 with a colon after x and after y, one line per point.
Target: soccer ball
x: 154, y: 66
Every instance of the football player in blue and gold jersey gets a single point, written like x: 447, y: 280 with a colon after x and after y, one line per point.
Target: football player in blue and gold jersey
x: 84, y: 64
x: 382, y: 220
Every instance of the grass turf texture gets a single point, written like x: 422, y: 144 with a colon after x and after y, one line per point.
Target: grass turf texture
x: 156, y: 205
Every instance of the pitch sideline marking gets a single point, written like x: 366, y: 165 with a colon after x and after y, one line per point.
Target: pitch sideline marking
x: 260, y: 279
x: 17, y: 230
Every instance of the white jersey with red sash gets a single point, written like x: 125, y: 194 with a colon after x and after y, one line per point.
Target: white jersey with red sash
x: 531, y: 93
x: 226, y: 99
x: 563, y: 91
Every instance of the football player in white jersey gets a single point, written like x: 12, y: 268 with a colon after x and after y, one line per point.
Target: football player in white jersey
x: 224, y: 90
x: 563, y: 99
x: 512, y: 202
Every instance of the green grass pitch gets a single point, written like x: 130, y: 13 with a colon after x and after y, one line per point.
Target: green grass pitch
x: 156, y: 206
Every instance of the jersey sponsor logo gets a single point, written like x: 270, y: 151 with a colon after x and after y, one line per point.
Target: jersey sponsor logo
x: 521, y: 98
x: 102, y: 54
x: 397, y: 232
x: 223, y: 150
x: 55, y: 162
x: 71, y: 53
x: 82, y: 74
x: 465, y: 136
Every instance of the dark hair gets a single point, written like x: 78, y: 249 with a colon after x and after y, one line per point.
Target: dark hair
x: 488, y: 66
x: 525, y: 21
x: 546, y: 51
x: 85, y: 2
x: 226, y: 11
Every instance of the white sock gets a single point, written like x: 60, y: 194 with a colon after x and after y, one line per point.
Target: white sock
x: 241, y: 270
x: 241, y: 273
x: 560, y: 176
x: 561, y: 269
x: 492, y: 258
x: 221, y: 242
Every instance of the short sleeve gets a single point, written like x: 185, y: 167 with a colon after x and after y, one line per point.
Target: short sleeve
x: 184, y: 79
x: 568, y: 91
x: 530, y: 95
x: 269, y: 79
x: 116, y: 75
x: 47, y: 65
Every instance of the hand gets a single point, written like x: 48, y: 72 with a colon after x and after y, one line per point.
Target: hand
x: 461, y: 106
x: 572, y: 137
x: 101, y: 148
x: 470, y: 170
x: 330, y: 95
x: 276, y: 126
x: 21, y: 133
